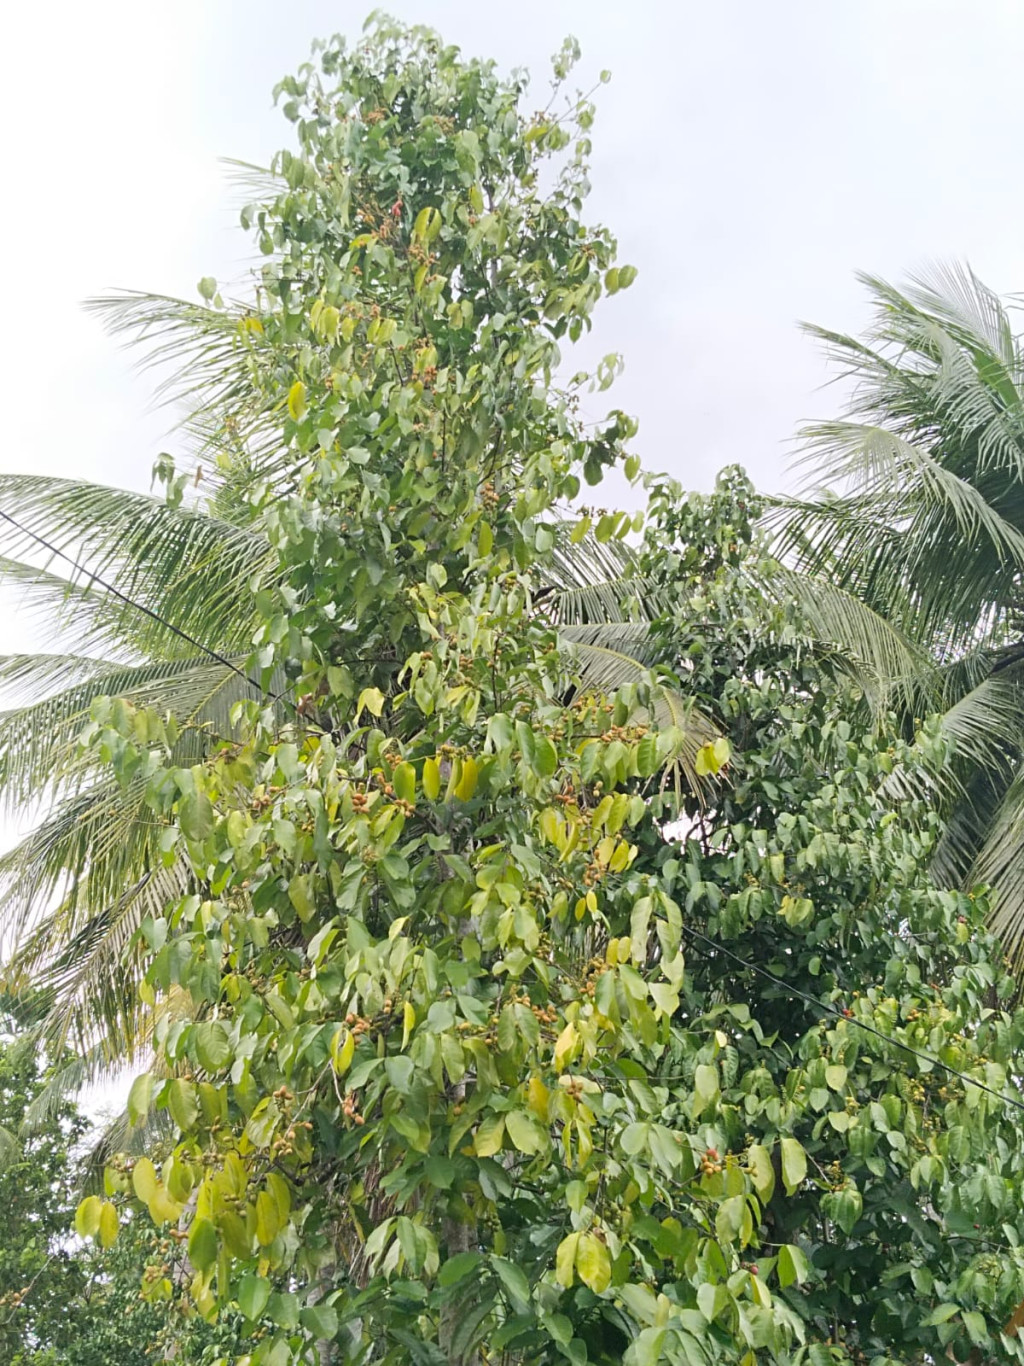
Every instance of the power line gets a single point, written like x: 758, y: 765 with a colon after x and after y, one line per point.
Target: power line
x: 130, y: 602
x: 829, y: 1009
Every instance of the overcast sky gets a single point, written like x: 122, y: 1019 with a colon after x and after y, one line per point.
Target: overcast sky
x: 749, y: 156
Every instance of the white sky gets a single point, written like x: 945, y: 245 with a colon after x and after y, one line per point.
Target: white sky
x: 750, y: 157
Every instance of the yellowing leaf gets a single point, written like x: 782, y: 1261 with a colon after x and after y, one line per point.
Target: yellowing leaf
x: 762, y: 1173
x: 705, y: 1088
x: 796, y: 910
x: 525, y: 1132
x: 87, y: 1216
x: 408, y: 1021
x: 794, y: 1164
x: 139, y: 1097
x: 162, y: 1209
x: 566, y: 1045
x: 404, y: 782
x: 297, y: 401
x: 665, y: 997
x: 489, y: 1136
x: 835, y: 1076
x: 202, y: 1244
x: 593, y: 1263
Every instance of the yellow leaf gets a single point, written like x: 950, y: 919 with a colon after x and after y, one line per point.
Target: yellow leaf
x: 466, y: 785
x: 565, y: 1259
x: 551, y: 826
x: 537, y: 1097
x: 408, y: 1022
x: 431, y: 779
x: 566, y: 1046
x: 372, y: 699
x: 108, y: 1225
x: 297, y: 401
x: 343, y: 1046
x: 162, y: 1209
x: 144, y: 1179
x: 268, y: 1221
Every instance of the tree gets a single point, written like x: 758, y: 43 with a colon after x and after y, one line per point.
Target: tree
x: 62, y: 1303
x: 926, y: 528
x: 479, y: 1060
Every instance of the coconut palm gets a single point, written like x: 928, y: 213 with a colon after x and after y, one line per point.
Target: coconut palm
x: 914, y: 503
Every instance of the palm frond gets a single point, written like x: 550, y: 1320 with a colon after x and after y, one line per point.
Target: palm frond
x: 192, y: 569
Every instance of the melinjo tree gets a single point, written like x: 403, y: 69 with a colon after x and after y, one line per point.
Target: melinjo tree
x: 444, y: 1085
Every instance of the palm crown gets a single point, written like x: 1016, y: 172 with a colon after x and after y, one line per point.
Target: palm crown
x: 916, y: 506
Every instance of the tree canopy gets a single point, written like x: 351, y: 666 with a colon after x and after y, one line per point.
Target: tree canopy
x: 528, y: 995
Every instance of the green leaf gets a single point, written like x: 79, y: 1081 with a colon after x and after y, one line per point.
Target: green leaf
x: 182, y: 1103
x: 253, y: 1294
x: 195, y: 815
x: 202, y: 1244
x: 976, y: 1329
x: 793, y: 1268
x: 321, y: 1320
x: 514, y: 1281
x: 794, y: 1164
x: 300, y: 894
x: 941, y: 1314
x: 545, y: 757
x: 457, y: 1268
x: 213, y: 1046
x: 762, y: 1171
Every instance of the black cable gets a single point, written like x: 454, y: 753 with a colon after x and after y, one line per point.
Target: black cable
x: 828, y: 1009
x: 130, y: 602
